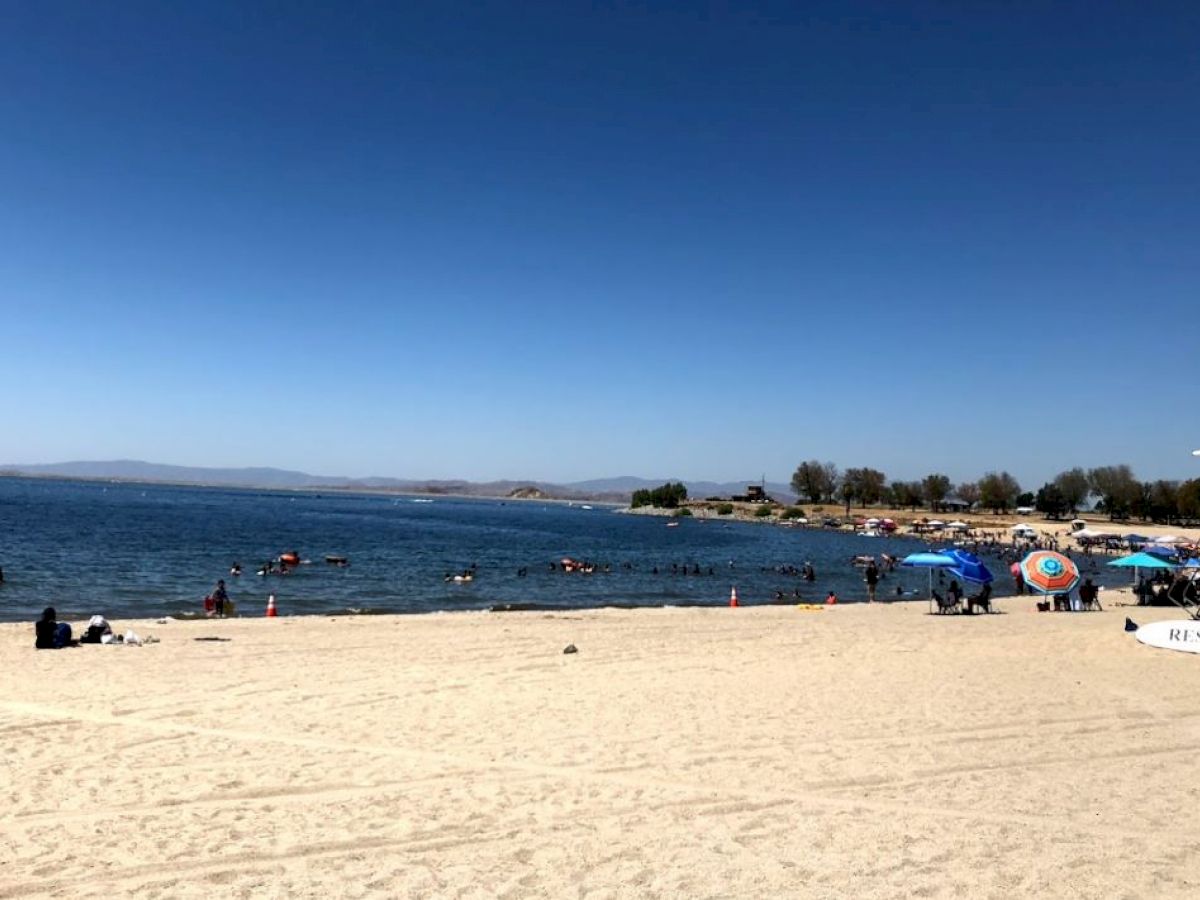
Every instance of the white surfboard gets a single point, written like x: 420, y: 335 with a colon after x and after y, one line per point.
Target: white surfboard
x: 1175, y: 634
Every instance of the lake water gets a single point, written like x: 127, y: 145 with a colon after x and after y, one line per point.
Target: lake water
x: 130, y: 550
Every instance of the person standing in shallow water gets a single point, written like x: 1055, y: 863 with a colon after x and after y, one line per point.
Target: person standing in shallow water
x: 872, y: 578
x: 220, y: 597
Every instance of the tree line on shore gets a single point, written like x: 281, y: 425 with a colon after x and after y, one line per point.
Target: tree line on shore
x: 1115, y: 490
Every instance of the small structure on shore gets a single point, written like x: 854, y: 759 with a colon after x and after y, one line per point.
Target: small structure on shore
x: 755, y: 493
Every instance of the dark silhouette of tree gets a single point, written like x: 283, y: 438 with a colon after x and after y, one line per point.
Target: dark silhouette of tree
x: 907, y: 493
x: 667, y: 496
x: 968, y: 492
x: 864, y: 485
x: 935, y: 488
x: 815, y: 480
x: 1050, y: 501
x: 1074, y: 487
x: 1117, y: 487
x: 998, y: 491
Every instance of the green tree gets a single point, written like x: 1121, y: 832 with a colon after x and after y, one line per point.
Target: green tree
x: 968, y: 492
x: 815, y: 480
x: 1187, y: 499
x: 1162, y: 501
x: 935, y: 488
x: 1073, y: 485
x: 1050, y: 501
x: 998, y: 491
x: 864, y: 485
x: 1118, y: 488
x: 667, y: 496
x: 907, y: 494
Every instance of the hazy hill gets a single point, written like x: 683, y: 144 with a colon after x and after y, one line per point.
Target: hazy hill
x: 615, y: 490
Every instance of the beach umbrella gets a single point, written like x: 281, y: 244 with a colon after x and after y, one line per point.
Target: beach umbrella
x: 1140, y: 561
x: 1137, y: 561
x: 929, y: 561
x: 970, y: 567
x: 1048, y: 572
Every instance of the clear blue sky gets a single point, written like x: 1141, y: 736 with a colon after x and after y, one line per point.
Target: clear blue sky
x: 564, y: 240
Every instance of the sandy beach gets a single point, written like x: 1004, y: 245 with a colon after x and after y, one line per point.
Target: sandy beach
x: 865, y: 751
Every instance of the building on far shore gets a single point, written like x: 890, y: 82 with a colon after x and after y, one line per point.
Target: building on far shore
x: 755, y: 493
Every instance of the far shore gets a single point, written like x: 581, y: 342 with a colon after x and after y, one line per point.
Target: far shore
x: 979, y: 522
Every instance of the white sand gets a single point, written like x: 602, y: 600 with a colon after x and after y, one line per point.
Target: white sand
x: 760, y: 752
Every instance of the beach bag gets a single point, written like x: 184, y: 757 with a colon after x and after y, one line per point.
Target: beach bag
x: 94, y: 633
x: 210, y: 605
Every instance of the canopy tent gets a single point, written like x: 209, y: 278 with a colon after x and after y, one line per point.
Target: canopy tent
x: 958, y: 526
x: 929, y: 561
x: 1092, y: 534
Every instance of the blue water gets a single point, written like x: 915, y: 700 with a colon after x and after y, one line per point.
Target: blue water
x: 138, y: 550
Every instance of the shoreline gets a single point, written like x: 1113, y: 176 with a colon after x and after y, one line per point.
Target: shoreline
x: 1121, y: 597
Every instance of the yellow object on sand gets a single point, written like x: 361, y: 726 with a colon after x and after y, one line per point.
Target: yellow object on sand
x: 810, y: 607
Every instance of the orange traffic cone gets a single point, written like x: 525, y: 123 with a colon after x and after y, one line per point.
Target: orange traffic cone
x: 271, y: 606
x: 733, y: 597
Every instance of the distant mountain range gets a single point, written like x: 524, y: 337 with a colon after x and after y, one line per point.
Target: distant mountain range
x: 616, y: 490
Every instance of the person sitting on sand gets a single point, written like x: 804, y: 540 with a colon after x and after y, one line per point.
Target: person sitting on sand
x: 1089, y: 595
x: 954, y: 592
x: 49, y: 633
x: 983, y: 599
x: 831, y: 599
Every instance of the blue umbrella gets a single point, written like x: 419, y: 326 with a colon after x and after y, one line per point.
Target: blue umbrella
x: 970, y: 567
x: 929, y: 561
x: 1141, y: 561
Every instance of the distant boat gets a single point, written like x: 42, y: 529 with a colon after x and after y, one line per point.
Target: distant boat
x: 585, y: 506
x: 672, y: 524
x: 420, y: 500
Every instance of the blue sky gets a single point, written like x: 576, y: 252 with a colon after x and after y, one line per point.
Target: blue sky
x: 564, y: 240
